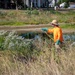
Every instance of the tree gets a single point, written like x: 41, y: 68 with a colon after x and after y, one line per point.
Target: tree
x: 72, y: 0
x: 61, y: 1
x: 19, y: 4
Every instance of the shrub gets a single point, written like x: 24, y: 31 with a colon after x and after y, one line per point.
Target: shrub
x: 2, y: 14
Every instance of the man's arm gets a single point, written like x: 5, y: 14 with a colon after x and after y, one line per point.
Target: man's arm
x: 45, y: 29
x: 50, y: 31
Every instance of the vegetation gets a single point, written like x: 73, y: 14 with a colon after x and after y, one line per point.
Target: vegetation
x: 24, y: 17
x: 48, y: 63
x: 20, y: 56
x: 61, y: 1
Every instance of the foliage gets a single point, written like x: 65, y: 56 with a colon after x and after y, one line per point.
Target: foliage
x: 67, y: 2
x: 61, y: 1
x: 71, y: 0
x: 24, y: 47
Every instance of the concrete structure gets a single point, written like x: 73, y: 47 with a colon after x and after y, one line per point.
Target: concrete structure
x: 71, y: 4
x: 37, y: 3
x: 52, y: 3
x: 29, y: 3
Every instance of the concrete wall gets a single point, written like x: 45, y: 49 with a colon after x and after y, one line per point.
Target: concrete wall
x: 35, y: 3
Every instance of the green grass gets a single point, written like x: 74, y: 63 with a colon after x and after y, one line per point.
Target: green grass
x: 68, y: 26
x: 24, y: 17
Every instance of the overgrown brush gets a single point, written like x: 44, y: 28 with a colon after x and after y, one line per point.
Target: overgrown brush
x: 25, y: 48
x: 21, y: 56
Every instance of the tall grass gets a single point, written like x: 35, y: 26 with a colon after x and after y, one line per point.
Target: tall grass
x: 20, y: 56
x: 48, y: 63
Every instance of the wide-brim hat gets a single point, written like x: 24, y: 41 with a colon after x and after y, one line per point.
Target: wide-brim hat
x: 54, y: 22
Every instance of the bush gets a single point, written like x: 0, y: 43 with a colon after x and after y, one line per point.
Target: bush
x: 35, y: 12
x: 2, y: 14
x: 25, y: 47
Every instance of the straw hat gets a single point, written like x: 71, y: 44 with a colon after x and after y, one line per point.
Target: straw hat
x: 54, y: 22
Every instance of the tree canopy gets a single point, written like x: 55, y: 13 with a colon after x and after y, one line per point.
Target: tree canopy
x: 61, y: 1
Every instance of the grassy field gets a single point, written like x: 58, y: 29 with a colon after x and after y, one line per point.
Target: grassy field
x: 24, y: 17
x: 18, y: 57
x: 48, y: 63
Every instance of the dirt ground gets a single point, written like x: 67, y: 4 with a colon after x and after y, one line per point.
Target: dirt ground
x: 31, y: 28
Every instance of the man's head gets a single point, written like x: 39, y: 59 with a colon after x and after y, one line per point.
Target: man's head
x: 54, y: 23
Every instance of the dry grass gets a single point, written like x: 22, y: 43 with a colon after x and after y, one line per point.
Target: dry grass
x: 48, y: 63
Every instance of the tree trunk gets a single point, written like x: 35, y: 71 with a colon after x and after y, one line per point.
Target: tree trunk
x: 5, y: 2
x: 24, y: 3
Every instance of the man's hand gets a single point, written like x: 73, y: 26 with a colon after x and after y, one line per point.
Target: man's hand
x: 58, y: 42
x: 45, y: 29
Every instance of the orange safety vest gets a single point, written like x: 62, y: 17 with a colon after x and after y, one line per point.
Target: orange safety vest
x: 57, y: 33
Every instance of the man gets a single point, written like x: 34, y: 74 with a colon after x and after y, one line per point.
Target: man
x: 57, y: 33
